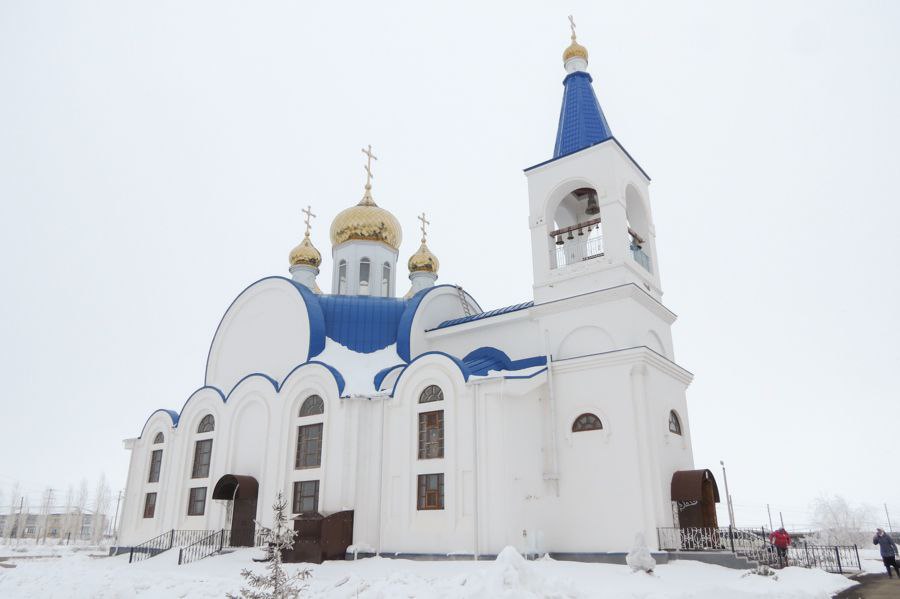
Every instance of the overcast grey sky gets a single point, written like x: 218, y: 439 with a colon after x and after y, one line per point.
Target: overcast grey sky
x: 154, y: 157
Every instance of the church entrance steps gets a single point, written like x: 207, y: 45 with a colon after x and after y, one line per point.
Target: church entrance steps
x: 192, y: 544
x: 752, y: 544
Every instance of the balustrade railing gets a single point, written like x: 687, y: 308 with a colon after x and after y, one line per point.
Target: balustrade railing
x: 154, y: 546
x: 753, y: 543
x: 203, y: 546
x: 577, y: 249
x: 641, y: 257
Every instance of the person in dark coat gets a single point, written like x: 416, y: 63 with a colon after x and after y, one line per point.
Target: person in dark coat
x: 888, y: 551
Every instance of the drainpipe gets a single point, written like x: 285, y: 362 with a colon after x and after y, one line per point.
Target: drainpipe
x: 554, y: 457
x: 380, y: 480
x: 477, y: 391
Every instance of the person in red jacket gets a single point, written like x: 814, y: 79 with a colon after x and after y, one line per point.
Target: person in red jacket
x: 782, y: 540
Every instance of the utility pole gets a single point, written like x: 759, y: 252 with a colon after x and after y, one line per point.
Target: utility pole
x: 780, y: 517
x: 890, y: 528
x: 727, y: 496
x: 769, y: 509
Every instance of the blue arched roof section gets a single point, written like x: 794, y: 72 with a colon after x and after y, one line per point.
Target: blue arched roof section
x: 409, y: 314
x: 171, y: 413
x: 363, y: 324
x: 484, y: 359
x: 581, y: 120
x: 176, y: 416
x: 313, y: 309
x: 463, y: 369
x: 382, y: 374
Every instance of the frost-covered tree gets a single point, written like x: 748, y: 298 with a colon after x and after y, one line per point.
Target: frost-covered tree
x: 11, y: 515
x: 275, y: 583
x: 639, y: 558
x: 102, y: 499
x: 837, y: 522
x: 78, y: 508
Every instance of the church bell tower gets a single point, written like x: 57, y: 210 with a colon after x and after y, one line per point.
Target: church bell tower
x: 590, y: 220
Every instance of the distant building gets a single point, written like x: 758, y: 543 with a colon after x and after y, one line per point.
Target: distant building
x: 58, y: 525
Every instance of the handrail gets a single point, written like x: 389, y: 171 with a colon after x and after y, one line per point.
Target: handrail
x: 753, y: 543
x: 202, y: 547
x: 154, y: 546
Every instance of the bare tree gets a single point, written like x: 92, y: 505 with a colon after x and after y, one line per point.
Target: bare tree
x: 102, y: 499
x: 840, y: 523
x: 11, y: 519
x: 80, y: 505
x: 66, y: 524
x: 46, y: 499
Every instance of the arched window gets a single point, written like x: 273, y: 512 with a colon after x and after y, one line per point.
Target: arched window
x: 575, y: 233
x: 312, y: 405
x: 342, y: 276
x: 159, y: 438
x: 586, y: 422
x: 674, y: 423
x: 207, y: 425
x: 386, y: 280
x: 431, y: 393
x: 364, y: 276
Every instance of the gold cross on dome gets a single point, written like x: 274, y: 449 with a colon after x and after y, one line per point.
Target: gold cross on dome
x: 368, y: 167
x: 572, y: 25
x: 308, y: 212
x: 424, y: 223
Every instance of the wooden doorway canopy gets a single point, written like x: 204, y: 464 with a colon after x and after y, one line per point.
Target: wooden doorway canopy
x: 696, y: 494
x: 236, y: 486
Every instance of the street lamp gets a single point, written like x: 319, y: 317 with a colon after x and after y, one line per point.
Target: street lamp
x: 727, y: 496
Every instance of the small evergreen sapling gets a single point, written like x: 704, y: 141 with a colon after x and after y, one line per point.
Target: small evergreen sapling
x: 275, y: 583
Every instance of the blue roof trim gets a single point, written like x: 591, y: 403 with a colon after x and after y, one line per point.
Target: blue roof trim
x: 459, y: 363
x: 176, y: 416
x: 484, y: 359
x: 317, y: 330
x: 581, y: 120
x: 382, y: 374
x: 338, y: 377
x: 362, y: 323
x: 316, y: 320
x: 171, y: 413
x: 613, y: 139
x: 488, y: 314
x: 409, y: 314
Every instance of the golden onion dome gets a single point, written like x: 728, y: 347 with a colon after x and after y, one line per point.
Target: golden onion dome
x: 575, y: 50
x: 423, y: 260
x: 366, y: 222
x: 305, y: 254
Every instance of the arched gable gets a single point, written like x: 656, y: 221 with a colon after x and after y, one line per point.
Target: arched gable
x: 585, y: 341
x: 452, y: 368
x: 273, y: 325
x: 426, y: 310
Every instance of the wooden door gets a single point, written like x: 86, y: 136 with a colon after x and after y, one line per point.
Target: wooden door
x: 243, y: 526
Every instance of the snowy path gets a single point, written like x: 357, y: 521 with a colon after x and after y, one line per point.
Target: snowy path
x: 75, y: 576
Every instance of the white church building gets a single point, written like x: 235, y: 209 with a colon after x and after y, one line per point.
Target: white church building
x: 558, y: 424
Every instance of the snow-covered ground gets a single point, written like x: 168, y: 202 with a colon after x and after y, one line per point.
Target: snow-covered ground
x: 76, y: 574
x: 870, y: 560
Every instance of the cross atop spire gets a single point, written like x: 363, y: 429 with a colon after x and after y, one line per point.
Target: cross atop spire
x: 367, y: 196
x: 572, y: 25
x: 423, y: 225
x: 369, y: 176
x: 308, y: 212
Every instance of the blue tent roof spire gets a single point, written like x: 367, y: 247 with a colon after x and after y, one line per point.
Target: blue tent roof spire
x: 581, y: 120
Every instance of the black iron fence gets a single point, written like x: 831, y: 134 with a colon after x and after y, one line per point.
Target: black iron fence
x: 203, y: 547
x: 154, y: 546
x: 193, y: 544
x: 753, y: 543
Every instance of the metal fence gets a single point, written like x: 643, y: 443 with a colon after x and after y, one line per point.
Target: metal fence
x: 154, y: 546
x: 577, y: 249
x: 203, y: 547
x: 753, y: 543
x: 193, y: 544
